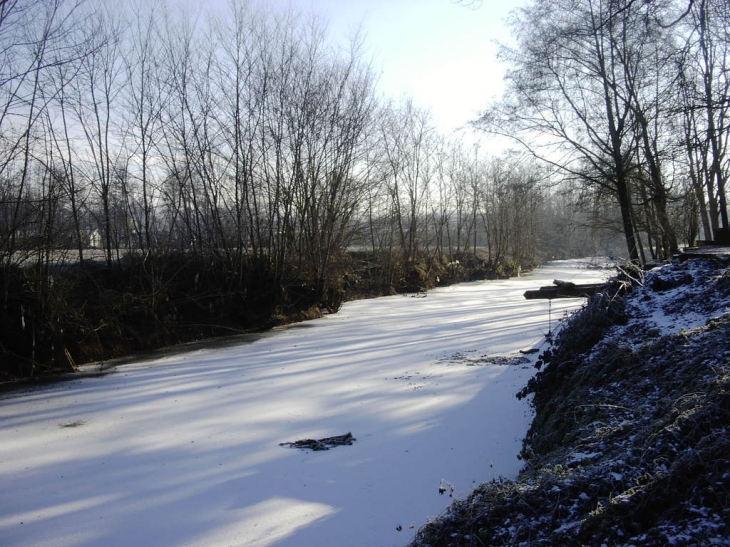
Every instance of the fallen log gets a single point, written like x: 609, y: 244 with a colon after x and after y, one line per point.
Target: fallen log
x: 565, y: 289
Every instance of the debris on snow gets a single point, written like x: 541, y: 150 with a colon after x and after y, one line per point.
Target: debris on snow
x: 322, y: 444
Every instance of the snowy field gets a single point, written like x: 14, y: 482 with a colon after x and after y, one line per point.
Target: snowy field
x: 185, y: 449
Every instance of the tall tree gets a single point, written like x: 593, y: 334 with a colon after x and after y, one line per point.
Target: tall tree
x: 95, y: 94
x: 143, y: 100
x: 705, y: 91
x: 406, y: 137
x: 575, y: 99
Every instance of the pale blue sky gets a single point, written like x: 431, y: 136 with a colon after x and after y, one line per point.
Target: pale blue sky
x: 438, y: 52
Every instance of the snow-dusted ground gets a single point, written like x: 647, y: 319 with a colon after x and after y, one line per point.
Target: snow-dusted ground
x: 184, y: 449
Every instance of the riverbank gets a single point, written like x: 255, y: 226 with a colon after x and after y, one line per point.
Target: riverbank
x: 630, y: 444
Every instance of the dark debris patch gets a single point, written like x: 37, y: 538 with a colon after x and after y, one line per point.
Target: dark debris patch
x: 75, y: 423
x: 497, y: 360
x: 322, y: 444
x: 463, y: 358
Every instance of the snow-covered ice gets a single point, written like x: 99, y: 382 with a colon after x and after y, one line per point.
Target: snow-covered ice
x: 184, y: 449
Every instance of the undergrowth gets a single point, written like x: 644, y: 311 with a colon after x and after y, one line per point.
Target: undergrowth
x: 59, y: 315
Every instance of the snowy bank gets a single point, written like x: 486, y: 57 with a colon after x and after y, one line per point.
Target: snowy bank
x: 630, y: 445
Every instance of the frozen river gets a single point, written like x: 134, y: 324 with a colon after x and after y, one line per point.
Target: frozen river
x: 185, y: 449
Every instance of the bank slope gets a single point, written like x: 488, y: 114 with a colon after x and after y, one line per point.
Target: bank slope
x: 630, y: 444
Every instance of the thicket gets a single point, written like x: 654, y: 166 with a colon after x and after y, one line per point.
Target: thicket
x: 89, y: 312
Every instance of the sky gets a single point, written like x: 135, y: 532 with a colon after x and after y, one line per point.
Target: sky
x: 440, y: 53
x: 184, y: 448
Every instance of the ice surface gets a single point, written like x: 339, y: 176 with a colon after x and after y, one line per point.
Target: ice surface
x: 184, y: 449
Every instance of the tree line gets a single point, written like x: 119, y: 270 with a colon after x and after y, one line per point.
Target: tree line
x: 246, y: 133
x: 628, y: 101
x: 167, y: 174
x: 165, y: 170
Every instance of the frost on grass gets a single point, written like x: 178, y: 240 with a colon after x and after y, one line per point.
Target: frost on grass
x: 630, y: 444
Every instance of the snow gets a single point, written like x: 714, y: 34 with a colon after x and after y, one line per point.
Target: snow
x: 664, y: 311
x: 185, y: 449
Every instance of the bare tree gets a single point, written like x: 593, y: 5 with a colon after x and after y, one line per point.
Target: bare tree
x: 184, y: 210
x: 406, y: 137
x: 577, y: 100
x: 96, y: 91
x: 35, y: 36
x: 143, y: 100
x: 705, y: 93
